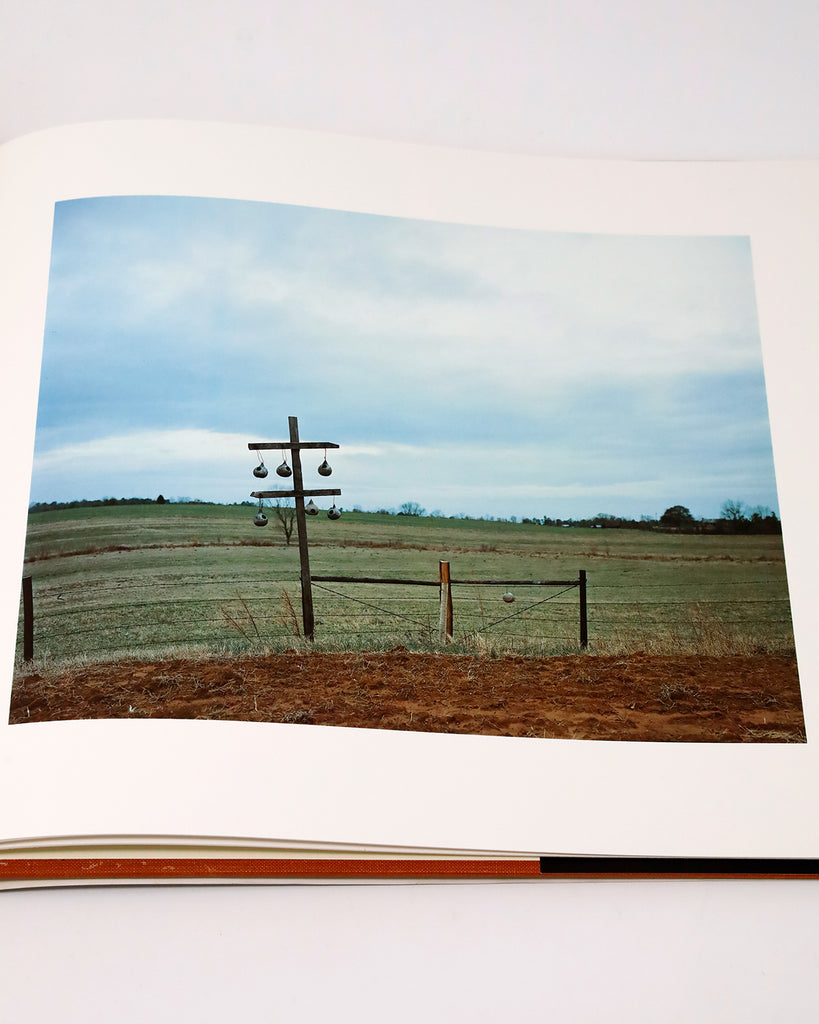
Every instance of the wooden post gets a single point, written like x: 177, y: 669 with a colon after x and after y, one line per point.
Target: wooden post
x: 584, y: 619
x: 301, y: 528
x: 445, y: 617
x: 294, y: 446
x: 28, y: 620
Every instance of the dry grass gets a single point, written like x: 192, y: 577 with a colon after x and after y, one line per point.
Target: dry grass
x: 700, y: 631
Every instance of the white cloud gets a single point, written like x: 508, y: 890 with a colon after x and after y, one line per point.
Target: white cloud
x: 149, y: 449
x: 526, y: 479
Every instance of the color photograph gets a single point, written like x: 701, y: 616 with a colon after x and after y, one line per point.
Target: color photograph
x: 318, y: 467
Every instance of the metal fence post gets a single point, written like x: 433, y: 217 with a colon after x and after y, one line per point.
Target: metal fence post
x: 584, y: 618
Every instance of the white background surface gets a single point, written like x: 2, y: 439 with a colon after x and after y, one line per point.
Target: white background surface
x: 464, y: 792
x: 633, y: 79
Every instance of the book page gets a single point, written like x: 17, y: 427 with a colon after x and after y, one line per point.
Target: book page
x: 400, y: 787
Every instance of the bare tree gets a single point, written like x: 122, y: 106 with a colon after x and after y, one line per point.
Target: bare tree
x: 285, y: 518
x: 411, y: 508
x: 734, y: 510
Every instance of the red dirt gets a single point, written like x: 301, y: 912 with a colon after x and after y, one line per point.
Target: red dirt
x: 634, y: 697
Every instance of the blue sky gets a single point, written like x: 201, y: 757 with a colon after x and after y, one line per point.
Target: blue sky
x: 471, y: 369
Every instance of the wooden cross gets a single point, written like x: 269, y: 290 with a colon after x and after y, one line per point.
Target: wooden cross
x: 295, y: 446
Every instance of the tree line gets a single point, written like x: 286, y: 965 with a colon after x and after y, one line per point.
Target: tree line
x: 735, y: 516
x: 55, y: 506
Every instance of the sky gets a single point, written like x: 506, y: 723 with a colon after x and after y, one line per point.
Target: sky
x: 474, y: 370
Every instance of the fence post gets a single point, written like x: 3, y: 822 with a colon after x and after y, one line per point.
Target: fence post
x: 584, y: 619
x: 445, y: 617
x: 28, y: 620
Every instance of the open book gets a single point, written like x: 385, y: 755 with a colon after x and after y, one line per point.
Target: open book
x: 382, y: 511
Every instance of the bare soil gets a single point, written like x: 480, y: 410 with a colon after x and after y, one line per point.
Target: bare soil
x: 635, y: 697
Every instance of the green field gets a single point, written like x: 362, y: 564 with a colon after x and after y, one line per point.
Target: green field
x: 145, y: 580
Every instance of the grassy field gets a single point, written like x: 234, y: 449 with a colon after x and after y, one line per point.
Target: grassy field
x: 144, y: 580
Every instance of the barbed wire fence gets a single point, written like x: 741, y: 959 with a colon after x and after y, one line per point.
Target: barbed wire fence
x: 92, y: 618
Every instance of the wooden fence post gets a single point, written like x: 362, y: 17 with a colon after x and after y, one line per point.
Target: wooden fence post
x: 445, y: 617
x: 28, y: 620
x: 584, y: 618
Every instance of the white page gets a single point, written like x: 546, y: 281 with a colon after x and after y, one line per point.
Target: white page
x: 382, y: 787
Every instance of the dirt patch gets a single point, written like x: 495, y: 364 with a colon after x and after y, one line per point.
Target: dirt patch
x: 635, y: 697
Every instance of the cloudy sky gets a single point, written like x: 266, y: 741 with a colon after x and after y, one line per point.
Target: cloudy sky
x: 470, y: 369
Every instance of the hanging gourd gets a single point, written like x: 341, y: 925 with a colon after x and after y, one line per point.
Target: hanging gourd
x: 325, y: 469
x: 284, y: 469
x: 260, y: 470
x: 333, y: 513
x: 311, y: 508
x: 261, y: 518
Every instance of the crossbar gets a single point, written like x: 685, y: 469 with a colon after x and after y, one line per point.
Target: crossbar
x: 517, y: 583
x: 319, y: 492
x: 292, y: 446
x: 375, y: 579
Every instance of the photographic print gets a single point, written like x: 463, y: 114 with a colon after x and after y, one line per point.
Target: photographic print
x: 309, y: 466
